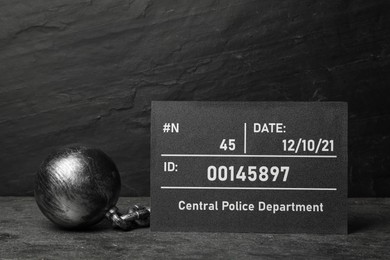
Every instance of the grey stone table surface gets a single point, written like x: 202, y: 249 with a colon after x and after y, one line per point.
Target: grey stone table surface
x: 26, y: 233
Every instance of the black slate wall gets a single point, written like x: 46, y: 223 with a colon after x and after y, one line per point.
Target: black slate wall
x: 86, y: 71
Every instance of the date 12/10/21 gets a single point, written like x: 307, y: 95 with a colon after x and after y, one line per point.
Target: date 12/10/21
x: 247, y: 173
x: 308, y: 145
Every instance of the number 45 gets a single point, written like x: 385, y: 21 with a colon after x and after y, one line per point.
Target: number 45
x: 229, y: 144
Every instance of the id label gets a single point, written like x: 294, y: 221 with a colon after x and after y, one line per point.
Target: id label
x: 270, y: 167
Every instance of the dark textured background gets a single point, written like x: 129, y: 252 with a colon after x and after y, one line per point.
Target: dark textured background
x: 86, y: 71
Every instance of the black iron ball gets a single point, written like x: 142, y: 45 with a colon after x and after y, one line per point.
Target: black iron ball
x: 76, y: 186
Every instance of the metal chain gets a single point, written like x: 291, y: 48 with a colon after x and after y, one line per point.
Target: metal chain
x: 137, y: 216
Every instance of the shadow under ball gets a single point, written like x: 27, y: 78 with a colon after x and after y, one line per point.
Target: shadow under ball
x: 76, y: 186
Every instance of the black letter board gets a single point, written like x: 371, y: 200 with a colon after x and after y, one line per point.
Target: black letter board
x: 270, y: 167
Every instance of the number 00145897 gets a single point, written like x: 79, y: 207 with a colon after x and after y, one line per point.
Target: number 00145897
x: 247, y: 173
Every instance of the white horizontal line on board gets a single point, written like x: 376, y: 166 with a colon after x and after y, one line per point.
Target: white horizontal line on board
x: 243, y: 188
x: 248, y: 155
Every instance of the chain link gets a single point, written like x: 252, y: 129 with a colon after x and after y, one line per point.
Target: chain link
x: 137, y: 216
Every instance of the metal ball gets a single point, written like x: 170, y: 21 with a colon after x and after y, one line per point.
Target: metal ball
x: 76, y: 186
